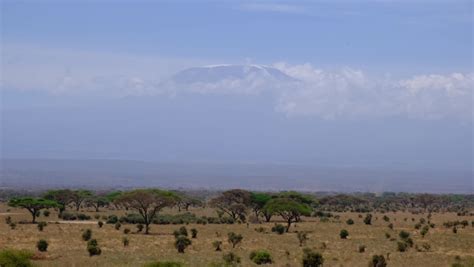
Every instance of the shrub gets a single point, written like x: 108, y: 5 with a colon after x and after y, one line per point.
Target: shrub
x: 302, y: 237
x: 67, y: 216
x: 46, y: 213
x: 13, y: 258
x: 217, y: 245
x: 234, y: 238
x: 361, y: 248
x: 261, y: 257
x: 42, y: 245
x: 126, y: 231
x: 181, y: 243
x: 8, y: 220
x: 402, y: 246
x: 139, y: 227
x: 164, y: 264
x: 417, y: 226
x: 41, y: 226
x: 87, y: 234
x: 279, y: 229
x: 100, y: 224
x: 312, y: 259
x: 350, y: 221
x: 181, y: 231
x: 12, y: 225
x: 117, y: 226
x: 378, y: 261
x: 455, y: 230
x: 404, y: 235
x: 83, y: 217
x: 125, y: 241
x: 231, y: 258
x: 93, y: 248
x: 387, y: 235
x: 194, y: 233
x: 260, y: 229
x: 390, y: 225
x: 425, y: 230
x: 97, y: 216
x: 344, y: 234
x: 386, y: 218
x: 368, y: 219
x: 112, y: 219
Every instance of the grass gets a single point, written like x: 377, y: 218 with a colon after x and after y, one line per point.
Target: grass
x: 66, y: 247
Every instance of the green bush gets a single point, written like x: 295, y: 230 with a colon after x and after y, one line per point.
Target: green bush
x: 100, y: 224
x: 404, y: 235
x: 87, y: 234
x: 112, y: 219
x: 117, y: 226
x: 41, y: 226
x: 261, y: 257
x: 231, y: 258
x: 15, y: 258
x: 344, y: 234
x: 42, y: 245
x: 279, y: 229
x: 46, y: 213
x: 312, y: 259
x: 378, y: 261
x: 368, y: 219
x: 402, y: 246
x: 350, y: 221
x: 234, y: 238
x: 93, y: 248
x: 181, y: 243
x: 194, y: 233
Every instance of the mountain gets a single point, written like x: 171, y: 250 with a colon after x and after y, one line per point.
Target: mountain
x: 218, y: 73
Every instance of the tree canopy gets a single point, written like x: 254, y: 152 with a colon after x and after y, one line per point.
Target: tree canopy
x: 288, y: 208
x: 33, y: 205
x: 148, y: 202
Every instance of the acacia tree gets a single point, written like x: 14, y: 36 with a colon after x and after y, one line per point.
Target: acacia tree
x: 33, y: 205
x: 233, y: 202
x: 148, y: 202
x: 97, y: 201
x: 185, y: 202
x: 258, y: 201
x: 79, y: 196
x: 62, y: 197
x: 289, y: 209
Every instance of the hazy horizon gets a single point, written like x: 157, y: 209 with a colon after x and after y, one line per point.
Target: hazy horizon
x: 370, y: 94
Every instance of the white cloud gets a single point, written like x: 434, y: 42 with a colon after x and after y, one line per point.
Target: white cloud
x: 329, y: 94
x: 352, y: 93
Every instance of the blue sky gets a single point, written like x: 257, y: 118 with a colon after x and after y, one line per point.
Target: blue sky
x: 378, y: 82
x: 398, y: 36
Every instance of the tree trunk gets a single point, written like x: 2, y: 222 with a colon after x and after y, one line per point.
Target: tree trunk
x: 288, y: 225
x: 33, y: 215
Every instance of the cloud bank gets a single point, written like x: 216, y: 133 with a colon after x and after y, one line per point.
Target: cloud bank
x: 311, y: 91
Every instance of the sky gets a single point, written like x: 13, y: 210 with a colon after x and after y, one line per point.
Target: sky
x: 373, y: 83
